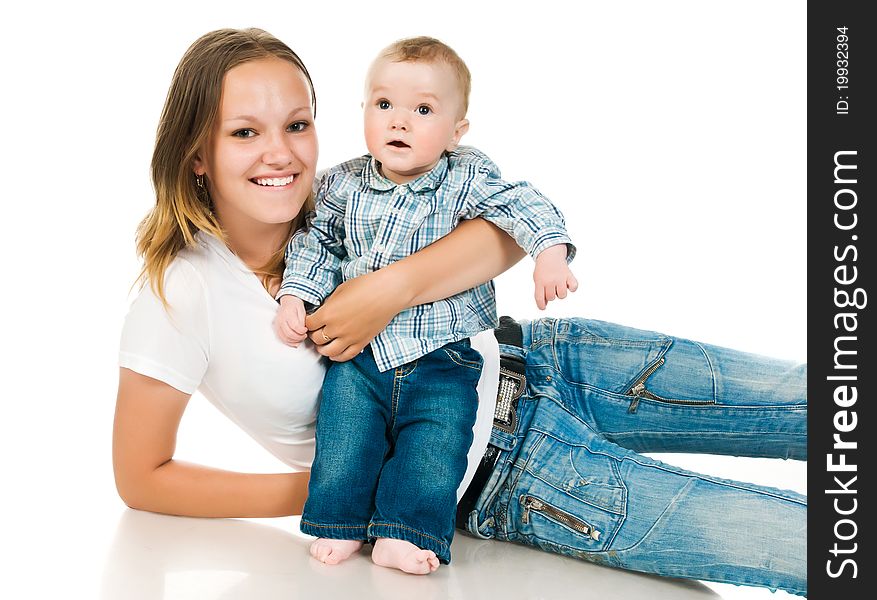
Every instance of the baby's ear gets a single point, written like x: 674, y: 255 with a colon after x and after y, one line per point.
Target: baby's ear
x: 460, y: 130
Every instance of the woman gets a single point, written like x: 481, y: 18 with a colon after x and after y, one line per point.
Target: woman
x: 578, y: 400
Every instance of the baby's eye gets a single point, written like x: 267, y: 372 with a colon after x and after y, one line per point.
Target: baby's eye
x: 423, y: 110
x: 383, y: 105
x: 244, y: 133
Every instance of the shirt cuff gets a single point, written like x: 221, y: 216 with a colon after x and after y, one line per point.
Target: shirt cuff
x: 551, y: 238
x: 307, y: 293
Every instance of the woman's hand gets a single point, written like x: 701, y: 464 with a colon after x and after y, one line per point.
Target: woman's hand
x: 359, y: 309
x: 356, y: 312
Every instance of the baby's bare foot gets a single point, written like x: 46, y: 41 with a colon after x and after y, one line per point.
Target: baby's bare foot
x: 405, y: 556
x: 333, y: 552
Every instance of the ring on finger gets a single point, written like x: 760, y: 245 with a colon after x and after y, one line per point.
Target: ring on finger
x: 326, y: 338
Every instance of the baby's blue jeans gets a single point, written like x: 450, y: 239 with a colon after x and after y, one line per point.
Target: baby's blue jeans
x: 391, y: 448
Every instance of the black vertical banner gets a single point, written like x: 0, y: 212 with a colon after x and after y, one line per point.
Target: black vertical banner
x: 841, y: 328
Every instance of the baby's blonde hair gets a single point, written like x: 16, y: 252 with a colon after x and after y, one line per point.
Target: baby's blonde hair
x: 428, y: 49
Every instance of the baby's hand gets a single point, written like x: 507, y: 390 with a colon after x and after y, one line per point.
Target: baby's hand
x: 290, y: 321
x: 552, y: 276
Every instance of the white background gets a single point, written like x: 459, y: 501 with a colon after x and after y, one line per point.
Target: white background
x: 671, y: 134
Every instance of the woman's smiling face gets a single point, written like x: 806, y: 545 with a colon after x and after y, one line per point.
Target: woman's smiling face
x: 262, y: 154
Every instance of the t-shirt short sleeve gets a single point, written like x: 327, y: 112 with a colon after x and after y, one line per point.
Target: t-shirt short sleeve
x: 169, y: 344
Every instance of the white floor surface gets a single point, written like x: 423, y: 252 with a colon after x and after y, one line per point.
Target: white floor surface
x: 80, y: 541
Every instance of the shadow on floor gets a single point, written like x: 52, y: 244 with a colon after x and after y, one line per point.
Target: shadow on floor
x: 177, y: 558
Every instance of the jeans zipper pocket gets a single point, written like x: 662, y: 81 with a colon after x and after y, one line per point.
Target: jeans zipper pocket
x: 530, y: 503
x: 639, y: 391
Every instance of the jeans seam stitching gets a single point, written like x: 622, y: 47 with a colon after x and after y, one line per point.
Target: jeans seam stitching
x: 709, y: 404
x: 717, y: 481
x: 621, y: 514
x: 702, y: 432
x: 713, y: 405
x: 712, y: 372
x: 566, y: 546
x: 670, y: 504
x: 312, y: 524
x: 615, y: 341
x: 460, y: 361
x: 394, y: 404
x: 614, y: 459
x: 613, y: 464
x: 513, y: 481
x: 618, y: 478
x: 573, y: 415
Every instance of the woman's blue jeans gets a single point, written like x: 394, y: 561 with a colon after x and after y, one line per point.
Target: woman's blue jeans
x: 391, y: 448
x: 570, y: 478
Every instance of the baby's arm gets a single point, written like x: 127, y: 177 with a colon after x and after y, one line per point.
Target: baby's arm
x: 313, y: 264
x: 530, y: 218
x: 552, y: 276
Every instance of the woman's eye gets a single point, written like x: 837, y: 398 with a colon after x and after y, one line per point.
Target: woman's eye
x: 424, y: 110
x: 244, y: 133
x: 298, y: 126
x: 383, y: 105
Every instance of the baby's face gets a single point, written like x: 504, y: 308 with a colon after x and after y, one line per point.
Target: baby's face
x: 412, y: 113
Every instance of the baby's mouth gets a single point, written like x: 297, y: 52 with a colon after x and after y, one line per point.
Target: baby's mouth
x: 398, y: 144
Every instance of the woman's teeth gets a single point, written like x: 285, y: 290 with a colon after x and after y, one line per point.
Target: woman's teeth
x: 275, y: 181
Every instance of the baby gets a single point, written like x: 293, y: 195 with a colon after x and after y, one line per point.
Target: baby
x: 395, y: 423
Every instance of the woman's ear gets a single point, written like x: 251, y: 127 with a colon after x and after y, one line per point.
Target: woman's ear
x: 198, y: 166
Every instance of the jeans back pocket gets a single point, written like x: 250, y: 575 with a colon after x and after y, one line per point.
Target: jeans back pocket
x: 568, y: 497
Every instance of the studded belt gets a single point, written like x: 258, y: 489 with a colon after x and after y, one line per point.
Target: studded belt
x: 512, y: 383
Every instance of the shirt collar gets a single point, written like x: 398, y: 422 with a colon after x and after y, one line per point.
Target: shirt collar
x: 430, y: 180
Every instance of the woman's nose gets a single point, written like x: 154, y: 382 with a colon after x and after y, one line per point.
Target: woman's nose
x: 278, y: 152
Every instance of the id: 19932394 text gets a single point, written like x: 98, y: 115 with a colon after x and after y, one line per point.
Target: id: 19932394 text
x: 843, y: 71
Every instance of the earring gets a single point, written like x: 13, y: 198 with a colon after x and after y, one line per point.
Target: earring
x: 199, y: 181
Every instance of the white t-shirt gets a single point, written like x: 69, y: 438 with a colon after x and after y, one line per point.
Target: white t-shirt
x: 218, y: 339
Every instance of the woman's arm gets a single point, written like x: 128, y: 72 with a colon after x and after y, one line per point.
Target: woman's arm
x: 148, y: 414
x: 474, y: 253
